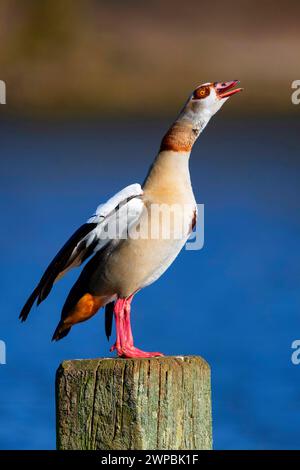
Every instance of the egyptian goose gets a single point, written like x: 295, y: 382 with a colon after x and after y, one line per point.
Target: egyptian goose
x: 123, y: 263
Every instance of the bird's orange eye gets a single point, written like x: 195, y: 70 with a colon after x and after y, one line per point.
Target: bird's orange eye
x: 201, y: 92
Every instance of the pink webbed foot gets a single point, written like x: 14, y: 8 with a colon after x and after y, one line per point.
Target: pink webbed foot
x: 132, y: 351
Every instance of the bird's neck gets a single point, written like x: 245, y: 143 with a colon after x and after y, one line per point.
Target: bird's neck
x: 184, y: 132
x: 170, y: 171
x: 171, y: 165
x: 180, y: 138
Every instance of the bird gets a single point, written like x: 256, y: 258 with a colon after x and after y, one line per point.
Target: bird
x: 122, y: 255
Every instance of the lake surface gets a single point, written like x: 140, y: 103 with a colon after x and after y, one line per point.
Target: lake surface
x: 236, y: 302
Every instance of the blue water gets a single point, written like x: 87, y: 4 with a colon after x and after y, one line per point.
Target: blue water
x: 236, y: 302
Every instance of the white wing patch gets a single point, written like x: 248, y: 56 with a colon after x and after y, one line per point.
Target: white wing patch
x: 115, y: 217
x: 105, y: 209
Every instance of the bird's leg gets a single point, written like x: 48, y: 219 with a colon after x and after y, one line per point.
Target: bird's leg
x: 128, y: 330
x: 119, y: 319
x: 124, y: 342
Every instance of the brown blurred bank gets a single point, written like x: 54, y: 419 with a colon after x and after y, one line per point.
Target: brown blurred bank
x: 132, y: 58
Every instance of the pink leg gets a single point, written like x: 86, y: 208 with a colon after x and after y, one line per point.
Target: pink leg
x: 124, y: 342
x: 128, y: 331
x: 119, y: 319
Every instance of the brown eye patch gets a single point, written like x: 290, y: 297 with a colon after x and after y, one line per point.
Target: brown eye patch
x: 201, y: 92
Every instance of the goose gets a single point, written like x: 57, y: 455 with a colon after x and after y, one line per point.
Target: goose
x: 121, y: 264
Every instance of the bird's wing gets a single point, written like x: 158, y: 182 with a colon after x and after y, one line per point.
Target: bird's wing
x: 110, y: 221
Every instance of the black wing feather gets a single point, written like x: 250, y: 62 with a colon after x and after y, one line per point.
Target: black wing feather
x: 60, y: 263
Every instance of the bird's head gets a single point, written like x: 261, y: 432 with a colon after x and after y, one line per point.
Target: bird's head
x: 207, y: 99
x: 201, y: 105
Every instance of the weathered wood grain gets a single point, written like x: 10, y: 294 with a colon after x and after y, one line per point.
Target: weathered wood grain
x: 157, y: 403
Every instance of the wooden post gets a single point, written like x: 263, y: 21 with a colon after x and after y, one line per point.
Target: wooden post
x: 158, y: 403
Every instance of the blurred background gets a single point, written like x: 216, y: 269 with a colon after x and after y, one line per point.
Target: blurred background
x: 91, y: 88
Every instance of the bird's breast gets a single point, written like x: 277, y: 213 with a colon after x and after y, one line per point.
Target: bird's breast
x: 153, y: 243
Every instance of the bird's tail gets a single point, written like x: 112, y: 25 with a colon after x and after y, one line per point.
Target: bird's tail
x: 61, y: 331
x: 78, y: 308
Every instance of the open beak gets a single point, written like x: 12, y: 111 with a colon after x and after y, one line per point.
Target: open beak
x: 224, y: 89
